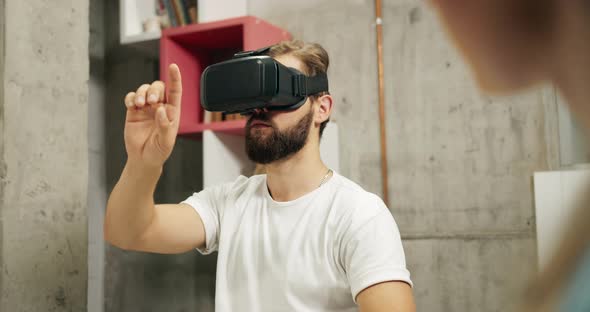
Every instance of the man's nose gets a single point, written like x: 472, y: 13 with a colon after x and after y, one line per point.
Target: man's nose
x: 259, y: 111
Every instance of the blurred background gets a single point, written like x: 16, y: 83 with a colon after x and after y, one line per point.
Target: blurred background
x: 465, y: 170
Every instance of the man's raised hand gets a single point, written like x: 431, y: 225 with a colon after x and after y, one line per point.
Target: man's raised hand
x: 152, y: 122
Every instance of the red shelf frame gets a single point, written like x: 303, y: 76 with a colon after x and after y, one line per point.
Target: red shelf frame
x: 194, y: 47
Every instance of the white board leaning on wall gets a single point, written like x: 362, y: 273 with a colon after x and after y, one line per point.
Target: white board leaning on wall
x: 556, y: 195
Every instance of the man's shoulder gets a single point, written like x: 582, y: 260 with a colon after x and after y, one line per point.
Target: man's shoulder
x: 356, y: 206
x: 354, y: 201
x: 352, y: 192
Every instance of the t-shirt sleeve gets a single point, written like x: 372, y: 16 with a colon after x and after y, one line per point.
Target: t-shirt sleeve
x: 373, y: 251
x: 208, y: 203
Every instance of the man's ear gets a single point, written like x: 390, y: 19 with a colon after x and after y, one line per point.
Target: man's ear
x: 324, y: 106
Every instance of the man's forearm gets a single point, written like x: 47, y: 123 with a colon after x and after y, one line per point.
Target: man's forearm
x: 130, y: 207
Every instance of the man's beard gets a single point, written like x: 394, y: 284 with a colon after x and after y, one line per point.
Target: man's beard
x: 277, y: 145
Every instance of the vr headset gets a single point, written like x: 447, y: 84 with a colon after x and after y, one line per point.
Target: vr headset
x: 253, y: 80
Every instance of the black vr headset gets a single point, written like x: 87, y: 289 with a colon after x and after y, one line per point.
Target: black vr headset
x: 253, y: 80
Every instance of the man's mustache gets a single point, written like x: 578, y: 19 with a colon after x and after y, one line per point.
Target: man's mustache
x: 259, y: 117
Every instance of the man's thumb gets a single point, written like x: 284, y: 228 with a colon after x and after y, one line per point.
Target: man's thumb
x: 162, y: 119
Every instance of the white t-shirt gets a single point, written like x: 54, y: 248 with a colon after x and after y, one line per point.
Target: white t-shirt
x: 315, y: 253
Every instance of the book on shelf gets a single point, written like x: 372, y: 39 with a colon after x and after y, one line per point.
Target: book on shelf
x: 178, y: 12
x: 236, y: 117
x: 185, y: 14
x: 192, y: 11
x: 207, y: 117
x: 169, y: 12
x: 210, y: 117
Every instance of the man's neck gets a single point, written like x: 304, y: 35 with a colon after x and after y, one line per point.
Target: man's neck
x: 296, y: 176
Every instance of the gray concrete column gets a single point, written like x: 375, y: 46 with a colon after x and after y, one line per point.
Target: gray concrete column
x: 43, y: 155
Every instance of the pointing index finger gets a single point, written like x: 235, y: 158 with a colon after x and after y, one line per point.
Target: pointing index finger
x: 174, y: 85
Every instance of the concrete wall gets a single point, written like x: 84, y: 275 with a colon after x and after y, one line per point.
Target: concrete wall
x: 2, y: 163
x: 574, y: 149
x: 97, y: 158
x: 44, y: 159
x: 460, y: 163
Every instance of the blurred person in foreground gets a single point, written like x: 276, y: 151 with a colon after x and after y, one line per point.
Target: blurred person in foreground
x: 512, y: 45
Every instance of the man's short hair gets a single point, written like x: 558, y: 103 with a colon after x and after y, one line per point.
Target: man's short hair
x: 314, y: 58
